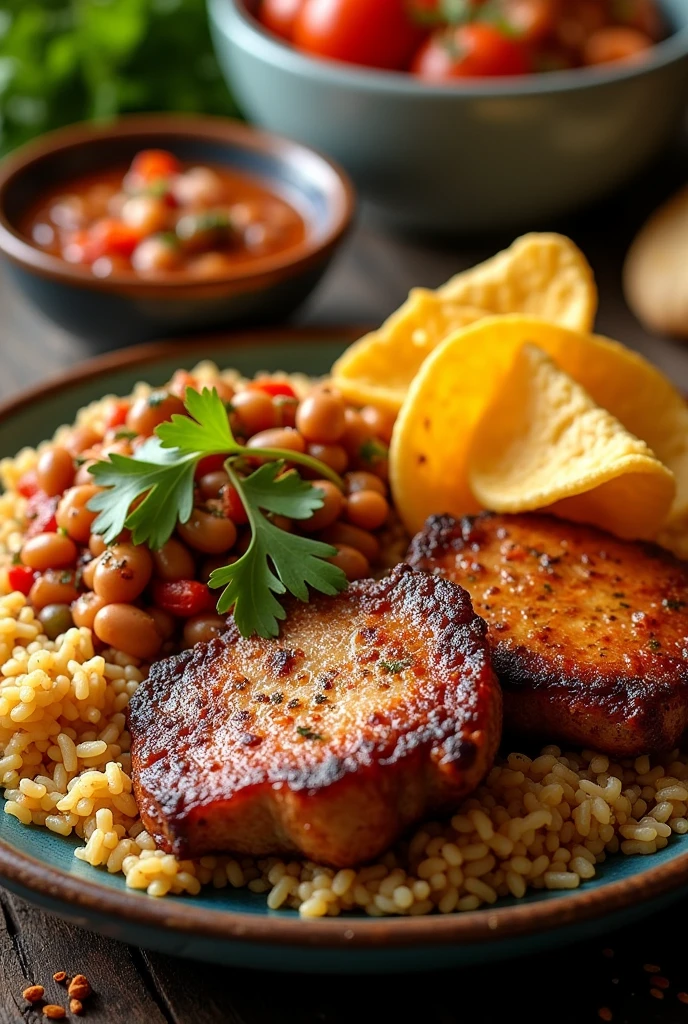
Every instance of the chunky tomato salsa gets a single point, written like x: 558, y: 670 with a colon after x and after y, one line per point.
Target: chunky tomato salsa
x: 443, y: 40
x: 162, y: 217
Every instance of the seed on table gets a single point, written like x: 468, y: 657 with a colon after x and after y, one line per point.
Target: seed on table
x: 76, y: 1006
x: 54, y: 1012
x: 33, y: 994
x: 79, y: 987
x: 60, y: 976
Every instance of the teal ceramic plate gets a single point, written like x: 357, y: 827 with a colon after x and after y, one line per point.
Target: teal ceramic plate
x: 235, y: 927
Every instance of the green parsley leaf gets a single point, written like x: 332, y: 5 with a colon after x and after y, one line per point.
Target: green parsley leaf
x: 285, y: 495
x: 164, y: 477
x: 275, y: 561
x: 159, y: 483
x: 206, y: 430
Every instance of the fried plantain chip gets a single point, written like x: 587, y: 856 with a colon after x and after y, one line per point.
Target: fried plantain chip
x: 378, y: 368
x: 542, y: 443
x: 435, y: 429
x: 545, y: 275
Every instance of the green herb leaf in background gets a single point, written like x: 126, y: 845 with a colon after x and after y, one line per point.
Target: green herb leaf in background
x: 70, y: 60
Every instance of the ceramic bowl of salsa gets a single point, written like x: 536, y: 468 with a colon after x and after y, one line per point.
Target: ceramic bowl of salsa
x: 514, y: 149
x: 160, y: 225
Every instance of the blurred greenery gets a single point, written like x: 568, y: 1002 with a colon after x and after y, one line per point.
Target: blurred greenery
x: 69, y: 60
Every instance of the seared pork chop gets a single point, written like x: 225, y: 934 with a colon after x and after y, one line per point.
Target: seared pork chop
x: 589, y: 634
x: 372, y: 709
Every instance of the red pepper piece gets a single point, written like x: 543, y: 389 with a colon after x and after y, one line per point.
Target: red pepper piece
x: 40, y: 513
x: 183, y: 598
x: 273, y: 388
x: 21, y: 578
x: 28, y: 484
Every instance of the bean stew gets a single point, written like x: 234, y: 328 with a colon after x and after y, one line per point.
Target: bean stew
x: 161, y: 217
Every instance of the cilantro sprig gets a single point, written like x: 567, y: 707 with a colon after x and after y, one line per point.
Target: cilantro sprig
x: 150, y: 492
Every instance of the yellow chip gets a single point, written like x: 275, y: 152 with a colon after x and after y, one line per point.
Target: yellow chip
x: 378, y: 368
x: 543, y: 275
x: 542, y: 443
x: 460, y: 379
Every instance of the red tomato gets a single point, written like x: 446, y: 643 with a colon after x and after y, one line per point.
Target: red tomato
x: 641, y: 14
x: 21, y: 578
x: 469, y: 51
x: 578, y: 20
x: 154, y: 165
x: 183, y: 598
x: 28, y: 484
x: 40, y: 513
x: 209, y: 464
x: 279, y: 16
x: 375, y: 33
x: 117, y: 416
x: 110, y: 237
x: 532, y: 20
x: 233, y: 505
x: 273, y: 388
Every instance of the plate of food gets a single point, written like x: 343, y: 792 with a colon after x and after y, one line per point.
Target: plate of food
x: 352, y: 653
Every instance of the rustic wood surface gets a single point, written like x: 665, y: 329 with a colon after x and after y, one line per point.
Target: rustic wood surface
x: 569, y: 986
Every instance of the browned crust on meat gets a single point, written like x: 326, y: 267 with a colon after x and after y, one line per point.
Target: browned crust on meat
x: 372, y: 709
x: 589, y: 633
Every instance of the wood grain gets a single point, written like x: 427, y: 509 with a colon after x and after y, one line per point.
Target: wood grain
x: 568, y: 986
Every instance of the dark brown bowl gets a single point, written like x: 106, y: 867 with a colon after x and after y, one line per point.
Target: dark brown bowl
x: 122, y: 309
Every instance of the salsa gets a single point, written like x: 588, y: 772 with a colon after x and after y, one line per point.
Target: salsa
x: 161, y: 217
x: 443, y: 40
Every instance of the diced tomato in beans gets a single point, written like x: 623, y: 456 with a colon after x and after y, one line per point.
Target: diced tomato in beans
x: 152, y: 165
x: 210, y: 464
x: 111, y: 237
x: 118, y: 414
x: 40, y: 513
x: 21, y: 578
x: 274, y: 388
x: 233, y: 506
x: 183, y: 598
x: 28, y: 484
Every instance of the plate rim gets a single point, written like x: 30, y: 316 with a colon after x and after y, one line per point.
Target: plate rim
x: 473, y: 927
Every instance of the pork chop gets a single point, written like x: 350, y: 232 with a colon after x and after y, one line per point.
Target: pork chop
x: 373, y: 709
x: 589, y: 634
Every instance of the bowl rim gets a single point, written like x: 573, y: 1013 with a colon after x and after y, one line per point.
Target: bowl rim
x: 338, y: 189
x: 488, y: 924
x: 230, y: 14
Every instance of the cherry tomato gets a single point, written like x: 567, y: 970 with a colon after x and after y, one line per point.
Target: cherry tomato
x: 28, y: 484
x: 274, y: 388
x: 21, y: 578
x: 40, y: 513
x: 110, y: 237
x: 209, y: 464
x: 532, y: 20
x: 233, y: 506
x: 183, y: 598
x: 279, y: 16
x: 470, y: 51
x: 375, y: 33
x: 154, y: 165
x: 643, y: 15
x: 117, y: 416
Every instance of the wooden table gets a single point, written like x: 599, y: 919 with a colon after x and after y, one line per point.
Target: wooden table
x: 570, y: 986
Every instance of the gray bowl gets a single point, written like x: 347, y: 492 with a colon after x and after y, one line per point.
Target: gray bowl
x: 486, y: 154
